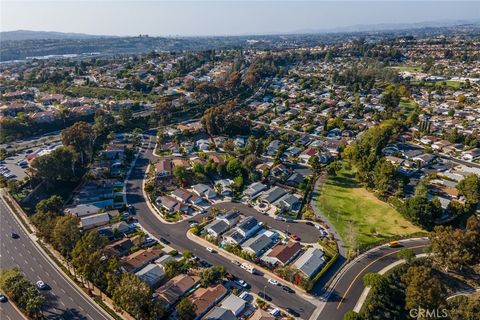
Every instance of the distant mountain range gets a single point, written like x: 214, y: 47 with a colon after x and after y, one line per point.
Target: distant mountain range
x: 19, y: 35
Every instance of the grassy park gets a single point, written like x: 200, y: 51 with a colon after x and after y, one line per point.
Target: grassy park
x: 357, y: 214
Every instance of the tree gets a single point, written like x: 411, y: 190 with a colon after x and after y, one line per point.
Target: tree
x: 181, y: 174
x: 135, y: 296
x: 186, y: 309
x: 470, y: 188
x: 80, y: 136
x: 66, y: 234
x: 31, y: 300
x: 372, y: 279
x: 52, y: 204
x: 126, y: 116
x: 384, y: 176
x: 212, y: 275
x: 422, y: 212
x: 406, y: 254
x: 351, y: 315
x: 58, y: 166
x: 315, y: 163
x: 424, y: 288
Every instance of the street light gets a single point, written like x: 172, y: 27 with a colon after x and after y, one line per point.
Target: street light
x: 264, y: 295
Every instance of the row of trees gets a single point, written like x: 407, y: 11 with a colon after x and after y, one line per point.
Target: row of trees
x: 22, y: 292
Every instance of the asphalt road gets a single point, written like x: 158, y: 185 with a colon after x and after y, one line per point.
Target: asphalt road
x: 176, y: 234
x: 64, y: 300
x: 349, y: 287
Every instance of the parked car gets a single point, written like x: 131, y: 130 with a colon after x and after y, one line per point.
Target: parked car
x: 241, y: 283
x: 3, y: 298
x: 164, y: 241
x: 235, y: 262
x: 292, y: 312
x: 264, y: 296
x: 273, y: 281
x: 294, y: 237
x: 288, y: 289
x: 15, y: 236
x: 309, y: 223
x: 210, y: 249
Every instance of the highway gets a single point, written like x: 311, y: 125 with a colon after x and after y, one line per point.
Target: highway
x: 64, y: 299
x: 347, y: 288
x: 176, y: 234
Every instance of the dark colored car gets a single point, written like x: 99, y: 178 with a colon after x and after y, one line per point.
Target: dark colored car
x: 3, y: 298
x: 293, y: 312
x: 288, y: 289
x: 309, y: 223
x: 164, y: 241
x: 15, y: 236
x: 264, y: 296
x: 205, y: 264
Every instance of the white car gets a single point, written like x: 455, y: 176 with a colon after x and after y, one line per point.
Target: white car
x: 209, y: 249
x: 41, y: 285
x: 273, y: 281
x: 242, y: 283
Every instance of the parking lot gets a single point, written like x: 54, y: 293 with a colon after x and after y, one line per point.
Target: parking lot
x: 14, y: 167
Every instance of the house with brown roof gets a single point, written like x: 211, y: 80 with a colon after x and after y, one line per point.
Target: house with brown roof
x: 283, y: 254
x: 139, y: 259
x: 206, y: 298
x: 163, y: 168
x: 260, y: 314
x: 119, y: 248
x: 175, y: 288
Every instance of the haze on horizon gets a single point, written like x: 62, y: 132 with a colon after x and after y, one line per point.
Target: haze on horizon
x: 218, y: 18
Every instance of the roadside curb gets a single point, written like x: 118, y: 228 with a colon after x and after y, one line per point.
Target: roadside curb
x: 232, y: 256
x: 72, y: 283
x: 366, y: 290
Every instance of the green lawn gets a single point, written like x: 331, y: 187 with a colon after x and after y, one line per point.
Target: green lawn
x: 407, y: 105
x: 342, y: 200
x: 408, y: 68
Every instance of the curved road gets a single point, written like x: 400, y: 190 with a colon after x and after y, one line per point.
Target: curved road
x: 64, y: 299
x: 176, y: 234
x: 332, y: 303
x: 348, y: 286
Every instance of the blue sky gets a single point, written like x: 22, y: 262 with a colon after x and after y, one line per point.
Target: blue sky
x: 222, y: 17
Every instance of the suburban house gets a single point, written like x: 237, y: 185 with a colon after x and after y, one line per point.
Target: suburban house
x: 248, y: 226
x: 310, y: 262
x: 258, y: 244
x: 83, y: 210
x: 272, y: 195
x: 119, y: 248
x: 170, y: 204
x: 289, y: 202
x: 260, y: 314
x: 93, y: 221
x: 223, y: 187
x: 202, y: 190
x: 471, y: 155
x: 295, y: 180
x: 254, y: 190
x: 216, y: 228
x: 181, y: 195
x: 140, y: 258
x: 175, y: 288
x: 152, y: 274
x: 234, y: 304
x: 206, y: 298
x: 163, y: 168
x: 273, y: 147
x: 231, y: 217
x: 218, y: 313
x: 283, y: 254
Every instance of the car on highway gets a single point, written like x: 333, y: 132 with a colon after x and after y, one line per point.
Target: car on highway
x: 273, y: 281
x: 210, y: 249
x: 15, y: 236
x: 264, y: 296
x: 393, y: 244
x: 294, y: 237
x: 292, y: 312
x: 41, y: 285
x: 288, y: 289
x: 3, y: 298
